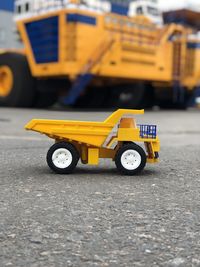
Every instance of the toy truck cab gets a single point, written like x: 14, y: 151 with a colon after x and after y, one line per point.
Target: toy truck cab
x: 117, y: 138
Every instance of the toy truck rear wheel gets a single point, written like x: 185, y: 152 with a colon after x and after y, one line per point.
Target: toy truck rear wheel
x: 130, y: 159
x: 16, y: 82
x: 62, y: 158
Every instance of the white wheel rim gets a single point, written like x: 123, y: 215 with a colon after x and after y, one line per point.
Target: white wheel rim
x: 131, y: 159
x: 62, y: 158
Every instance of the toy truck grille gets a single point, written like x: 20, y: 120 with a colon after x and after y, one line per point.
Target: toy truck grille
x: 148, y: 131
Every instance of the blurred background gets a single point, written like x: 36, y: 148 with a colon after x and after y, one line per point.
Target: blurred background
x: 100, y: 53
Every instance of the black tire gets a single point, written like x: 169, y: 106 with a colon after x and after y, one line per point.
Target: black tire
x: 45, y: 99
x: 94, y: 97
x: 149, y: 97
x: 138, y: 152
x: 67, y: 148
x: 22, y: 93
x: 48, y: 91
x: 127, y: 96
x: 165, y: 99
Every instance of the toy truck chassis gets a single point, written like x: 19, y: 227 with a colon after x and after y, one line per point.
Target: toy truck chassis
x: 115, y: 138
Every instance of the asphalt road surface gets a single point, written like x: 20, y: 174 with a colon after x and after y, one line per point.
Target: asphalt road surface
x: 96, y: 217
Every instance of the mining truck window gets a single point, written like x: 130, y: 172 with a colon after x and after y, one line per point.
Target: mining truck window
x: 19, y: 9
x: 153, y: 11
x: 27, y: 7
x: 139, y: 10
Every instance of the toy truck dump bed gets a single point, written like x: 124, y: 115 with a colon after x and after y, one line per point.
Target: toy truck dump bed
x: 90, y: 141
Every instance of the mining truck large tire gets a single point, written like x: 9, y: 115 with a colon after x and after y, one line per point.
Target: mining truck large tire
x: 47, y: 93
x: 45, y: 99
x: 127, y: 96
x: 17, y: 86
x: 166, y: 100
x: 94, y: 97
x: 149, y: 99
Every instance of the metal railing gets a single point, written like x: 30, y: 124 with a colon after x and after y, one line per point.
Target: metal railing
x: 148, y: 131
x: 23, y: 7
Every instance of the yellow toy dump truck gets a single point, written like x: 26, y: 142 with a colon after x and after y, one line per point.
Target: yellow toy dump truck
x: 115, y: 138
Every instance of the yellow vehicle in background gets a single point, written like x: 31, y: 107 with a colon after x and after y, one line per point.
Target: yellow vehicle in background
x: 116, y: 138
x: 100, y: 56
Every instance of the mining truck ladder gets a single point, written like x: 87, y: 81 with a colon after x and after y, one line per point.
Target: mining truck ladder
x: 85, y: 76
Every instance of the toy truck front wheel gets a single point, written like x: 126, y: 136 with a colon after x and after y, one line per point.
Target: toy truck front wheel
x: 62, y: 158
x: 130, y: 159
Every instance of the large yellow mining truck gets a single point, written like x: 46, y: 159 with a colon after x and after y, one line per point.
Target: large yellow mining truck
x: 97, y: 56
